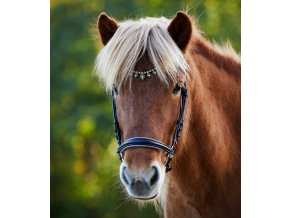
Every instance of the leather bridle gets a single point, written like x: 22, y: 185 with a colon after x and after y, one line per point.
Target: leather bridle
x: 145, y: 142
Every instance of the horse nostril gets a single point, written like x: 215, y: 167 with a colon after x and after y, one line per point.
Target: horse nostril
x: 125, y: 176
x: 154, y: 177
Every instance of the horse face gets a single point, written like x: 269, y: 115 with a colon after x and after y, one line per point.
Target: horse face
x: 146, y: 109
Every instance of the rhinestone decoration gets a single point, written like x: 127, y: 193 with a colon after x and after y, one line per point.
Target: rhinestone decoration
x: 143, y: 75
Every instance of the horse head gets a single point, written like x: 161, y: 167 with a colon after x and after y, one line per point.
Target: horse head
x: 143, y: 65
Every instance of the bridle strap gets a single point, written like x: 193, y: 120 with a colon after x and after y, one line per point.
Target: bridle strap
x: 179, y: 123
x: 138, y: 142
x: 141, y: 142
x: 116, y: 123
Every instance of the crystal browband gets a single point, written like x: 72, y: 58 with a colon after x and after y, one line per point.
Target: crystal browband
x: 143, y: 75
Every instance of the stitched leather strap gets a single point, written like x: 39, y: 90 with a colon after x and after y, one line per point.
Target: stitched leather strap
x: 143, y: 142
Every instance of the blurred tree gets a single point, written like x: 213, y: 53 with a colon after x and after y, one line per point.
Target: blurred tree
x: 84, y: 166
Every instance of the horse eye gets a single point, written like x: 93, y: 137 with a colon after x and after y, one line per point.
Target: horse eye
x: 177, y: 89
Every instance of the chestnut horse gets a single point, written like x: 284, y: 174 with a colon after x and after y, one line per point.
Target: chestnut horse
x: 156, y: 68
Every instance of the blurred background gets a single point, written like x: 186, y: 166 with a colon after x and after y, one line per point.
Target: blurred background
x: 84, y: 165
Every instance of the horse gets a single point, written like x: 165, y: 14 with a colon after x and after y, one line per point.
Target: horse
x: 176, y: 108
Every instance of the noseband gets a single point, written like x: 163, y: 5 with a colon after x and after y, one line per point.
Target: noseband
x: 145, y: 142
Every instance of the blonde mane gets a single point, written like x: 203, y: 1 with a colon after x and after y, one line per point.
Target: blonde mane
x: 132, y: 39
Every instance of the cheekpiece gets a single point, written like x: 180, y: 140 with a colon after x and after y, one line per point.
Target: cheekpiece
x: 143, y: 75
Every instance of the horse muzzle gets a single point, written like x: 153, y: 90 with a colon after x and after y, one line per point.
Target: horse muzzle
x: 142, y: 184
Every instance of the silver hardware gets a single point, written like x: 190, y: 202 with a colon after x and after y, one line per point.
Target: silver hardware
x: 143, y: 75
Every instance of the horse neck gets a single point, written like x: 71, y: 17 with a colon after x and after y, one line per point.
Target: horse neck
x: 210, y: 144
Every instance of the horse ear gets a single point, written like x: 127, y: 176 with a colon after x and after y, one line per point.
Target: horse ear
x: 107, y: 27
x: 180, y: 29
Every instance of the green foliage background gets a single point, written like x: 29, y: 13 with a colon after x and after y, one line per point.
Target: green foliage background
x: 84, y: 166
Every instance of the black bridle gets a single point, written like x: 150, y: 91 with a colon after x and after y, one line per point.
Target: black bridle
x: 145, y: 142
